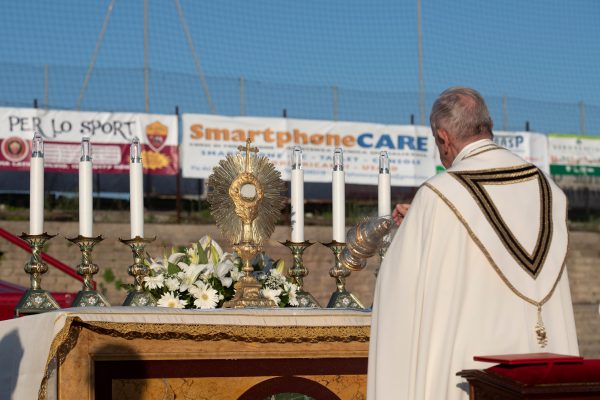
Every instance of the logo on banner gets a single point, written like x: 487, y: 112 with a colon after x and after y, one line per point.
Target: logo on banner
x: 157, y: 135
x: 14, y: 149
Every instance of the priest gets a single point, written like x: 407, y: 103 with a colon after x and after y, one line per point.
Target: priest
x: 477, y: 266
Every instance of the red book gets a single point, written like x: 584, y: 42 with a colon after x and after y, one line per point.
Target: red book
x: 529, y: 358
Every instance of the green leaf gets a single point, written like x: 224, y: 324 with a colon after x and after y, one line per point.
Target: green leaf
x: 108, y: 275
x: 202, y: 257
x: 173, y: 269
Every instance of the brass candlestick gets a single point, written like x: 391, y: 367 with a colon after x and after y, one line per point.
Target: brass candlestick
x: 87, y: 296
x: 341, y: 298
x: 36, y: 300
x: 298, y: 271
x: 137, y: 296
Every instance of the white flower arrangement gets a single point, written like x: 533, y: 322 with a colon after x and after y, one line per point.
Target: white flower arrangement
x: 203, y: 276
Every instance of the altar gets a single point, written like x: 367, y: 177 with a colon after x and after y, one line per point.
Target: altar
x: 156, y: 353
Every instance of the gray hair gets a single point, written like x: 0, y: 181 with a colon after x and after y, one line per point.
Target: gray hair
x: 462, y: 112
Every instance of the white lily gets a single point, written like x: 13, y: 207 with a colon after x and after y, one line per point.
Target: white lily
x: 222, y: 269
x: 192, y: 253
x: 175, y: 257
x: 214, y: 252
x: 189, y: 274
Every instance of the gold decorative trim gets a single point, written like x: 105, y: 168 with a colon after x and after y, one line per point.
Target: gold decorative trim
x: 237, y: 333
x: 61, y: 345
x: 483, y: 149
x: 487, y: 255
x: 474, y: 182
x: 67, y: 337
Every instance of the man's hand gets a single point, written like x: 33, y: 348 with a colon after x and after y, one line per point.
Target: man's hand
x: 399, y: 212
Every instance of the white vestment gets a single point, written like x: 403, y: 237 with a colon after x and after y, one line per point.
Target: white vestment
x: 478, y: 240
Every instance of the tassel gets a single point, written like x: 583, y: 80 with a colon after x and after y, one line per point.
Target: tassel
x: 540, y: 330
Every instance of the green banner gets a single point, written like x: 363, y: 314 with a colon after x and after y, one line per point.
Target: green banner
x: 577, y: 170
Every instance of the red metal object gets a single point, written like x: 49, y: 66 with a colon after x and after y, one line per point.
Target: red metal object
x: 10, y: 294
x: 17, y: 241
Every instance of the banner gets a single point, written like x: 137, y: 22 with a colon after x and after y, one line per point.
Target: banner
x: 530, y: 146
x: 109, y: 133
x: 574, y: 155
x: 207, y: 139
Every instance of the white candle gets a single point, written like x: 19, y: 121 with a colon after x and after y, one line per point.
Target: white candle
x: 36, y: 186
x: 338, y: 197
x: 297, y: 193
x: 136, y: 189
x: 85, y: 190
x: 384, y: 185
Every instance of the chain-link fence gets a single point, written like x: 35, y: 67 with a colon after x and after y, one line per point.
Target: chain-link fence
x: 120, y: 89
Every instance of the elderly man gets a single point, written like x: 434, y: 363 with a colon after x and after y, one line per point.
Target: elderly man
x: 477, y: 267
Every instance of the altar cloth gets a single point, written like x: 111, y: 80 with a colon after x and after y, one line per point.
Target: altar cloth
x: 29, y: 345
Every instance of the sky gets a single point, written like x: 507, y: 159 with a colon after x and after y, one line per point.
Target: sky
x: 541, y: 56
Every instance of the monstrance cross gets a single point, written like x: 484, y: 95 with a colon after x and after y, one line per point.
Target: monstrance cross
x: 248, y: 150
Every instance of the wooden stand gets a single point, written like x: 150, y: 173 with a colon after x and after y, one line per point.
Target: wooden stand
x: 578, y: 380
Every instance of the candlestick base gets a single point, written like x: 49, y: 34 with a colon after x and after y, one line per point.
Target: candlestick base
x: 36, y: 300
x: 341, y: 298
x: 88, y: 296
x: 298, y: 271
x: 137, y: 296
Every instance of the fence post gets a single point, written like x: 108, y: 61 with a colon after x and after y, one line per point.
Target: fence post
x: 504, y: 114
x: 178, y: 177
x: 242, y: 103
x: 582, y: 127
x: 334, y: 98
x: 46, y: 84
x: 146, y: 61
x: 420, y: 63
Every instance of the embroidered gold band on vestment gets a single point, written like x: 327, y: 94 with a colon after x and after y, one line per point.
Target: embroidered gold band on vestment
x: 539, y: 327
x: 474, y: 182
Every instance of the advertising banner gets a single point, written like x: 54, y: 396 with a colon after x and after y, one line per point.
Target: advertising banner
x: 109, y: 133
x: 575, y: 155
x: 531, y: 146
x: 208, y: 138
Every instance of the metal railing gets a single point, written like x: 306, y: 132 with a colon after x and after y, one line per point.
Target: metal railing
x: 15, y: 240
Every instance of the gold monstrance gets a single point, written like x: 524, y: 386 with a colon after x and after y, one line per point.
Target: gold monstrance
x: 244, y: 192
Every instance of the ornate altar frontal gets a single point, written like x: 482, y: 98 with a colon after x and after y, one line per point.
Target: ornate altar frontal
x: 148, y: 353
